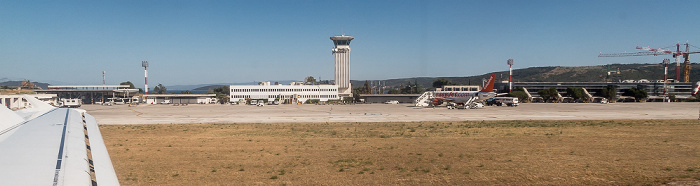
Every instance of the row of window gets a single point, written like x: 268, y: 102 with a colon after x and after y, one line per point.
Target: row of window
x: 462, y: 89
x: 287, y: 96
x: 283, y: 90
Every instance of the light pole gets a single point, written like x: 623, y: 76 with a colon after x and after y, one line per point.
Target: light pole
x: 510, y: 78
x: 144, y: 64
x: 665, y: 62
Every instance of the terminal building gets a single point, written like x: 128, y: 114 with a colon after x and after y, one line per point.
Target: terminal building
x: 16, y: 101
x: 293, y: 93
x: 654, y: 89
x: 90, y: 94
x: 299, y: 92
x: 180, y: 98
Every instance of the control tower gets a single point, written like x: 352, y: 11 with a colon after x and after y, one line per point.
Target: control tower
x: 341, y: 51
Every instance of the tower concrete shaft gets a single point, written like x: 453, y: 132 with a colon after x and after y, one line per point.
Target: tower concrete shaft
x: 341, y: 51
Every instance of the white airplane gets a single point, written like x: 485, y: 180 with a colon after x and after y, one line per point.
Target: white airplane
x: 45, y: 145
x: 467, y: 99
x: 695, y: 90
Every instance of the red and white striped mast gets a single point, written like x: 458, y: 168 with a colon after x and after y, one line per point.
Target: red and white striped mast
x: 144, y: 64
x: 676, y: 55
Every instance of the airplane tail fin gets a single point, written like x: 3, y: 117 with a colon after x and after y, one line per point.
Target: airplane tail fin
x: 488, y: 87
x: 697, y: 87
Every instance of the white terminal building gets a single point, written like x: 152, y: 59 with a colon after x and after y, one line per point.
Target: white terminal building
x: 298, y: 92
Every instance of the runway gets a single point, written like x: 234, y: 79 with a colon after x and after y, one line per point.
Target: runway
x: 169, y: 114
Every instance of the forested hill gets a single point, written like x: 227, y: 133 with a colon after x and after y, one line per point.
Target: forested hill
x: 556, y: 74
x: 18, y: 83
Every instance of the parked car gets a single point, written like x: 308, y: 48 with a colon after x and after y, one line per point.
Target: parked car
x: 391, y: 102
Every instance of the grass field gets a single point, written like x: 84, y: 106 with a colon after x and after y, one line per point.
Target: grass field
x: 439, y: 153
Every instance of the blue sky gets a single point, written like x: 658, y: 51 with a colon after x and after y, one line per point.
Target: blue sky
x: 196, y: 42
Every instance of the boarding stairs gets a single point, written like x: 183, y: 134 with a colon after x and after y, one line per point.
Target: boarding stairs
x: 470, y: 103
x: 589, y: 97
x: 424, y: 99
x: 529, y: 96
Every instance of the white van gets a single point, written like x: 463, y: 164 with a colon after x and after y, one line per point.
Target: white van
x: 70, y: 103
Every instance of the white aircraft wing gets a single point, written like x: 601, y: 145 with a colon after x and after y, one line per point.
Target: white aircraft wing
x: 9, y: 118
x: 59, y: 147
x: 37, y: 108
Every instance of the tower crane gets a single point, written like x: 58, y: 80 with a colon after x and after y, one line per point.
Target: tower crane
x: 659, y: 51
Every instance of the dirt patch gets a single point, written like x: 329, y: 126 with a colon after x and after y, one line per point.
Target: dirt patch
x: 444, y: 153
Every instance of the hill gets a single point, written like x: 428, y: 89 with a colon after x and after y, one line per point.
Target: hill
x: 18, y: 83
x: 555, y: 74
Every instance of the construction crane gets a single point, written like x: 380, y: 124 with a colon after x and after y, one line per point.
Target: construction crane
x: 659, y: 51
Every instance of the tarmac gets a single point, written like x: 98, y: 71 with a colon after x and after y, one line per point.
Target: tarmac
x: 195, y: 113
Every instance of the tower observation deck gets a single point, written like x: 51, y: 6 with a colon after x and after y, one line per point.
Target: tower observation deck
x: 341, y: 51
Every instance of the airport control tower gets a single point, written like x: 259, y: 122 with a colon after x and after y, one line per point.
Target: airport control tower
x: 341, y: 51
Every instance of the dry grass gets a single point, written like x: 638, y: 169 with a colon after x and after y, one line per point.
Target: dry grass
x: 444, y: 153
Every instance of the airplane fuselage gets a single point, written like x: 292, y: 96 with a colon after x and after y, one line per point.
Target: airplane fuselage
x: 464, y: 96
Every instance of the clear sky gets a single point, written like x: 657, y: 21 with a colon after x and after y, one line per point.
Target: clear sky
x: 197, y: 42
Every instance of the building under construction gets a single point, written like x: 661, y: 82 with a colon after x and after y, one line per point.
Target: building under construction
x: 655, y: 89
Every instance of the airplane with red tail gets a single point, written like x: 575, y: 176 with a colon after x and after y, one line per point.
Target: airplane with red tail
x: 468, y: 99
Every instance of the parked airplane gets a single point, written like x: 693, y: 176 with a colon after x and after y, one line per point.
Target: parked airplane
x: 44, y: 145
x: 467, y: 99
x: 697, y: 87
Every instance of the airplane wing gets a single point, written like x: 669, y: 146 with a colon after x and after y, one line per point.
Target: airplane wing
x: 59, y: 147
x: 37, y: 108
x: 9, y: 118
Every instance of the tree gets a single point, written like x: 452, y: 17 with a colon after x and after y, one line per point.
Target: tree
x: 222, y: 94
x: 575, y: 92
x: 416, y: 88
x: 609, y: 93
x: 131, y: 85
x: 160, y: 89
x: 186, y: 92
x: 310, y: 79
x: 366, y: 88
x: 672, y: 97
x: 521, y: 95
x: 439, y: 83
x: 411, y: 88
x: 397, y: 91
x: 361, y: 90
x: 637, y: 93
x: 548, y: 94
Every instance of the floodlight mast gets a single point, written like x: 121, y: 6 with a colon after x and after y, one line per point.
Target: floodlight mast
x: 510, y: 78
x: 665, y: 62
x: 144, y: 64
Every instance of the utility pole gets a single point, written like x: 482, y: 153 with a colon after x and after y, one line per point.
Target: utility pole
x: 144, y: 64
x: 665, y: 62
x: 510, y: 78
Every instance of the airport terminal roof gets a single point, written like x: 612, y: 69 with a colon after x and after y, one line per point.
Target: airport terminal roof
x: 180, y: 95
x: 389, y: 95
